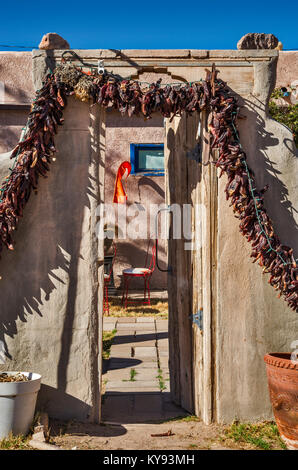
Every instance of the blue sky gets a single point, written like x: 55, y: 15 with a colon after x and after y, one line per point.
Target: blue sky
x: 147, y: 24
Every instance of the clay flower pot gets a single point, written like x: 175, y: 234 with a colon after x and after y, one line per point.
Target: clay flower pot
x: 282, y: 375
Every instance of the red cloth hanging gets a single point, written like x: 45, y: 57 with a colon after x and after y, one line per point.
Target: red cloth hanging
x: 119, y: 192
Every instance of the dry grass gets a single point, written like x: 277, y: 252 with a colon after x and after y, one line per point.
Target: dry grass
x: 15, y: 443
x: 263, y: 435
x: 158, y: 308
x: 107, y: 341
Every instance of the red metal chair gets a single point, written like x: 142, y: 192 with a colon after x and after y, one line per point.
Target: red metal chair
x: 107, y: 278
x: 145, y: 273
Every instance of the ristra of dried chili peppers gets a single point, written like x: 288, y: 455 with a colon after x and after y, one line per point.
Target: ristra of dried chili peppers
x: 34, y: 153
x: 247, y: 202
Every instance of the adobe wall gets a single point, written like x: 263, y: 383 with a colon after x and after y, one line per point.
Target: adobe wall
x: 287, y: 68
x: 16, y: 74
x: 50, y: 318
x: 16, y: 91
x: 250, y: 320
x: 51, y: 286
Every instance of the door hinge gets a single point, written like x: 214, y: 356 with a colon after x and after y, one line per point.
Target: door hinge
x: 197, y: 319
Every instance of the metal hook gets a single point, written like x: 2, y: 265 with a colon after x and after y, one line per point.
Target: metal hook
x: 101, y: 67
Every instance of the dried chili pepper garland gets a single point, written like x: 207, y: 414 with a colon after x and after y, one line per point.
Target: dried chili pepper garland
x: 35, y: 152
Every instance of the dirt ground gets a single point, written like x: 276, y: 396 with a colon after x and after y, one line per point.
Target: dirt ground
x: 186, y: 434
x: 158, y: 308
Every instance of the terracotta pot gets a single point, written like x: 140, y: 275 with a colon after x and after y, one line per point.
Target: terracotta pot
x: 282, y: 376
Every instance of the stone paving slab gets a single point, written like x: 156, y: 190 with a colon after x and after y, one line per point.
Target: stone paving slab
x: 121, y: 347
x: 145, y: 351
x: 150, y: 343
x: 148, y: 403
x: 121, y: 384
x: 142, y: 374
x: 164, y: 360
x: 123, y: 339
x: 109, y: 326
x: 146, y: 373
x: 145, y: 337
x: 117, y: 407
x: 144, y: 320
x: 145, y: 326
x: 135, y: 389
x: 162, y: 323
x: 145, y: 331
x: 146, y: 364
x: 123, y: 353
x: 163, y: 347
x: 162, y: 335
x: 122, y: 336
x: 117, y: 374
x: 162, y: 342
x: 140, y: 400
x: 123, y: 363
x: 125, y: 326
x: 163, y: 353
x: 125, y: 320
x: 161, y: 332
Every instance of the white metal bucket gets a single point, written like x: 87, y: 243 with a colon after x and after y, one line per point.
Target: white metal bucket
x: 17, y: 404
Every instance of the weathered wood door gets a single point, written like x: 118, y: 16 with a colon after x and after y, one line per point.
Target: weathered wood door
x: 189, y: 182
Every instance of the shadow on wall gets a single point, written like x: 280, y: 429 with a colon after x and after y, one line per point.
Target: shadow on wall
x: 17, y: 94
x: 277, y: 200
x: 145, y: 181
x: 46, y: 259
x: 9, y: 137
x: 12, y: 121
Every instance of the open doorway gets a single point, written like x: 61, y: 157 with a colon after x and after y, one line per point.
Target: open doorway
x: 136, y: 383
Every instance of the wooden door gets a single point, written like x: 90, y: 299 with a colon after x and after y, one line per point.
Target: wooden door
x: 189, y: 282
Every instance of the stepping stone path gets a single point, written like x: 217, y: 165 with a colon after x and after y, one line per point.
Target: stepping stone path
x: 136, y: 383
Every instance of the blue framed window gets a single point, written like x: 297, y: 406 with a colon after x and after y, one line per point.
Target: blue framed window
x: 147, y: 159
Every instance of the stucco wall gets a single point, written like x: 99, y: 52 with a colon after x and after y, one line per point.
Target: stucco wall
x: 16, y: 87
x: 16, y: 75
x: 49, y: 291
x: 287, y: 68
x: 51, y: 303
x: 250, y: 319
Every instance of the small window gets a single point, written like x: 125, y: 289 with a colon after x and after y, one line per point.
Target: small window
x: 147, y: 158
